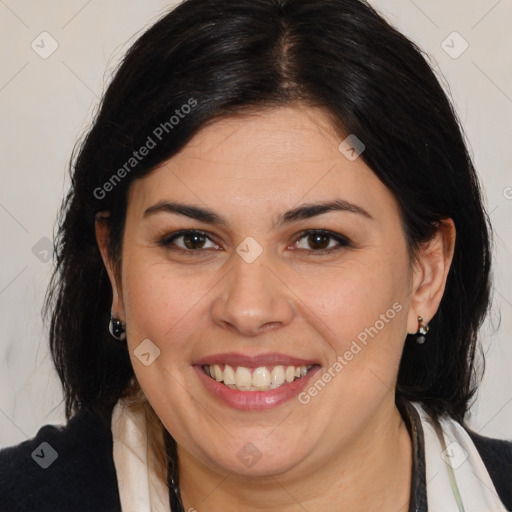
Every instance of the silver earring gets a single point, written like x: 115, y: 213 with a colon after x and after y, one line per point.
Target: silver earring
x: 422, y: 331
x: 117, y: 328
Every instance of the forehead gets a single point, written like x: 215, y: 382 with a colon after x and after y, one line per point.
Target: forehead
x: 269, y: 136
x: 253, y: 162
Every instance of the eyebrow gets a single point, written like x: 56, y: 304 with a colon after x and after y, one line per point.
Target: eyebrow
x: 305, y: 211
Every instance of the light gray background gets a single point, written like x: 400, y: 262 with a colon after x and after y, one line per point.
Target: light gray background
x: 46, y: 104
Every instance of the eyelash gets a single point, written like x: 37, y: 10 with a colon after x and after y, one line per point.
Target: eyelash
x: 168, y: 240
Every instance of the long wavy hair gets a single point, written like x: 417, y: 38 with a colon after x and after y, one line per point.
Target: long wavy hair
x: 240, y: 55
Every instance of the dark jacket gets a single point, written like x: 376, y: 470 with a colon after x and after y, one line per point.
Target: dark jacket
x: 80, y: 475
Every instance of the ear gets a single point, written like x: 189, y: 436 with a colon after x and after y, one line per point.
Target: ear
x: 430, y: 272
x: 103, y: 238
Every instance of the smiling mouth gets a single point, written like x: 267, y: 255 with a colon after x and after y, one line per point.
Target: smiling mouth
x: 263, y: 378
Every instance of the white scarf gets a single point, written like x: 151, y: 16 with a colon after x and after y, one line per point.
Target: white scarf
x: 141, y: 490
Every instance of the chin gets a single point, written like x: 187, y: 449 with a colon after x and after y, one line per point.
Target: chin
x: 255, y: 459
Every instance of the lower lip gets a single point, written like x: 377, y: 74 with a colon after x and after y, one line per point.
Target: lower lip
x: 255, y: 400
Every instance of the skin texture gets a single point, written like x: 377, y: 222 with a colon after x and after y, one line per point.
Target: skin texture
x: 345, y: 450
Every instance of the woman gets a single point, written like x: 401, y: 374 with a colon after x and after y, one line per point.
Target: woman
x: 272, y: 266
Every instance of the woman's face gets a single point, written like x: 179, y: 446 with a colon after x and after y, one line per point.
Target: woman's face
x: 274, y: 280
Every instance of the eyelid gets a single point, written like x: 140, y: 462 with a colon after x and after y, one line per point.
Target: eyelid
x: 342, y: 240
x: 169, y: 238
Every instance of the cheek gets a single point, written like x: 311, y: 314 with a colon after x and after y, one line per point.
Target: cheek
x: 159, y: 303
x: 342, y: 301
x: 352, y: 296
x: 360, y: 310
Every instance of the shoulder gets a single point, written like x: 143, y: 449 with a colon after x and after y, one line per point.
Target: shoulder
x: 496, y: 454
x: 61, y: 468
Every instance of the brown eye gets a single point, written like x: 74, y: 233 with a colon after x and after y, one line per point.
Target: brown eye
x: 191, y: 241
x: 194, y: 241
x: 321, y: 242
x: 318, y: 241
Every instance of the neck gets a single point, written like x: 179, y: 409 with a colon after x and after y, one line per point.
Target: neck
x: 370, y: 473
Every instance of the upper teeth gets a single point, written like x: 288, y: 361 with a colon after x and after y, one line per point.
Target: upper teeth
x: 261, y: 379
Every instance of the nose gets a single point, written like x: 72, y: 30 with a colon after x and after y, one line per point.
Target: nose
x: 252, y: 299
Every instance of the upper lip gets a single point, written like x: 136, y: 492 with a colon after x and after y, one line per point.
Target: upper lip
x: 254, y: 361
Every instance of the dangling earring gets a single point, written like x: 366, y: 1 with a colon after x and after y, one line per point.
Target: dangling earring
x: 117, y: 328
x: 422, y: 331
